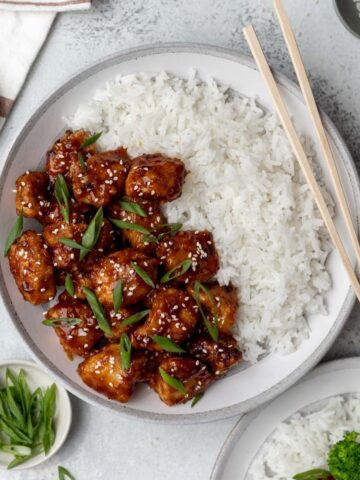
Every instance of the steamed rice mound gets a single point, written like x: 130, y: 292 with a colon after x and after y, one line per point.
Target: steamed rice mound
x: 244, y: 186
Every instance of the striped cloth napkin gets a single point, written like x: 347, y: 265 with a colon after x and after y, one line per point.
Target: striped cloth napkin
x: 24, y: 26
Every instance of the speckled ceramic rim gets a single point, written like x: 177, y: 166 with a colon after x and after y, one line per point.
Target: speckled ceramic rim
x: 271, y: 393
x: 343, y: 21
x: 246, y: 420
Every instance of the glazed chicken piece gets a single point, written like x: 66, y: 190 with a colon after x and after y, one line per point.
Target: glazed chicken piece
x: 64, y: 153
x: 173, y: 314
x: 104, y: 178
x: 155, y: 177
x: 193, y: 374
x: 117, y: 318
x: 102, y: 371
x: 118, y: 267
x: 226, y: 301
x: 79, y: 212
x: 196, y: 246
x: 154, y: 218
x: 219, y: 356
x: 64, y: 257
x: 30, y: 263
x: 79, y: 339
x: 31, y: 194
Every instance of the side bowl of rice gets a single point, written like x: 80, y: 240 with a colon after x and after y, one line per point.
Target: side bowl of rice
x: 294, y: 433
x: 208, y: 106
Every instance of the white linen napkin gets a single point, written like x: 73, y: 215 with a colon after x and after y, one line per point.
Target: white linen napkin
x: 22, y: 34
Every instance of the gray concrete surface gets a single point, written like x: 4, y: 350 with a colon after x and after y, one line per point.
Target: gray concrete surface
x: 102, y: 446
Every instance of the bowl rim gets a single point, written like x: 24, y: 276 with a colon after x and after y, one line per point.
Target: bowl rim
x: 242, y: 424
x: 41, y: 458
x: 343, y: 21
x: 286, y: 382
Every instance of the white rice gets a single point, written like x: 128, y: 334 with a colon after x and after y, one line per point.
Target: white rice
x: 244, y: 185
x: 303, y: 442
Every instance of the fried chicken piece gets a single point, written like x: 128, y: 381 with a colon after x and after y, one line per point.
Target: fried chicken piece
x: 193, y: 374
x: 64, y: 257
x: 79, y: 212
x: 154, y: 218
x: 173, y: 314
x: 30, y: 263
x: 155, y: 177
x: 118, y: 267
x: 102, y: 372
x: 116, y: 320
x: 104, y: 178
x: 198, y: 247
x: 219, y: 356
x: 64, y: 153
x: 31, y: 194
x: 79, y: 339
x: 226, y: 301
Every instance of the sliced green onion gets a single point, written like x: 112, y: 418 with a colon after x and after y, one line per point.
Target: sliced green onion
x: 64, y: 474
x: 173, y: 228
x: 62, y: 196
x: 177, y: 271
x: 82, y: 161
x: 167, y: 344
x: 142, y: 274
x: 97, y: 310
x: 117, y: 296
x: 15, y: 233
x: 129, y: 226
x: 134, y: 318
x: 90, y: 140
x: 212, y: 327
x: 64, y: 322
x: 196, y: 399
x: 69, y: 285
x: 172, y: 381
x: 132, y: 207
x: 68, y: 242
x: 125, y: 351
x: 315, y: 474
x: 92, y: 233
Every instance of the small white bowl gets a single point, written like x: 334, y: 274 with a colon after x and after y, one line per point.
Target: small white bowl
x: 36, y: 377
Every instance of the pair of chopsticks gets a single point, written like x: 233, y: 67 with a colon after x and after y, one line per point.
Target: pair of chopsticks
x: 296, y: 144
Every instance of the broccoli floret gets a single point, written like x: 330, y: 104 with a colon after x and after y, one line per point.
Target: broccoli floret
x: 344, y: 458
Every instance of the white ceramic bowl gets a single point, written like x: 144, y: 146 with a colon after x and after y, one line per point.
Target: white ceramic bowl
x: 36, y: 377
x: 244, y: 389
x: 250, y: 434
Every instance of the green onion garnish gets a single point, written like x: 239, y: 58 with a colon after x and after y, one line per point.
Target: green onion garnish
x: 90, y: 140
x: 172, y: 381
x: 15, y: 233
x: 64, y: 322
x: 69, y: 285
x: 97, y: 310
x: 92, y: 233
x: 132, y: 207
x: 134, y: 318
x: 82, y: 161
x: 117, y: 296
x: 68, y: 242
x: 177, y: 271
x: 62, y: 196
x: 196, y: 399
x: 64, y: 474
x: 167, y: 344
x: 142, y: 274
x: 26, y: 418
x: 129, y: 226
x: 212, y: 327
x: 315, y: 474
x: 125, y: 351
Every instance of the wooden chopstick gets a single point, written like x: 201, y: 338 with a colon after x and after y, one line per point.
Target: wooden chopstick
x: 295, y: 55
x: 299, y: 152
